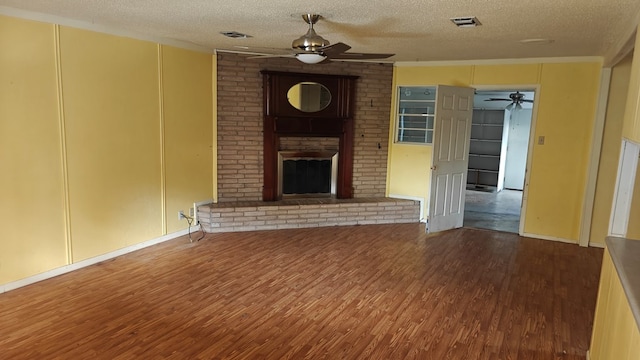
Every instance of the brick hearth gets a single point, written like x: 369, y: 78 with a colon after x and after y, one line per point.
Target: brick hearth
x: 305, y: 213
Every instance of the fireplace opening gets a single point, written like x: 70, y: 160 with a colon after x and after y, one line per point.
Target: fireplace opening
x: 307, y: 174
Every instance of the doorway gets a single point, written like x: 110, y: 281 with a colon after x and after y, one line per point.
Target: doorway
x: 498, y: 153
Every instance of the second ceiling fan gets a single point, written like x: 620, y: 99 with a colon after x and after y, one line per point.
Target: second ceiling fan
x: 516, y: 98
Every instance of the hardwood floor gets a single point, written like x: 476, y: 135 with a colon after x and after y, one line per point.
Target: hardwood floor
x: 360, y: 292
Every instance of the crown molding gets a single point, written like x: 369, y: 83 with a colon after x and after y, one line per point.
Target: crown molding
x: 543, y: 60
x: 58, y: 20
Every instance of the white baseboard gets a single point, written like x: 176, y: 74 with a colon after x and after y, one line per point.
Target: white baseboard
x: 596, y: 245
x: 552, y: 238
x: 92, y: 261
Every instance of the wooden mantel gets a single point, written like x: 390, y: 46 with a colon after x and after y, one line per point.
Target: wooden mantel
x: 281, y: 119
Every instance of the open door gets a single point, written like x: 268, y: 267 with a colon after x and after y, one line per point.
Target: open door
x: 452, y: 131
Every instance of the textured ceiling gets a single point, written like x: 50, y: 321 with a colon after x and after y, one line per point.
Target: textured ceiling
x: 414, y: 30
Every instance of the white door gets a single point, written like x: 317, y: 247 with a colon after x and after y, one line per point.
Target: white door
x: 452, y: 131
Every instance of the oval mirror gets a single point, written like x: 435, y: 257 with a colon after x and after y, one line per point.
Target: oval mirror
x: 309, y: 96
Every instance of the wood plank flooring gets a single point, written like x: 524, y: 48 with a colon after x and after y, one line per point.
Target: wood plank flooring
x: 360, y: 292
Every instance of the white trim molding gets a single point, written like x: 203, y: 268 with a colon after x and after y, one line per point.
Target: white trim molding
x: 59, y: 20
x: 91, y: 261
x: 594, y: 159
x: 623, y: 193
x: 549, y: 60
x: 551, y: 238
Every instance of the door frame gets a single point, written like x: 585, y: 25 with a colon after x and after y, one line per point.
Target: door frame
x: 532, y: 136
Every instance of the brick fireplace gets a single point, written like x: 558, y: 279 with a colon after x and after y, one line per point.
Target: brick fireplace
x: 240, y: 151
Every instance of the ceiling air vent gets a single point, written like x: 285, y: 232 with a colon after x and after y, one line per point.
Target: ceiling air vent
x: 235, y: 34
x: 468, y: 21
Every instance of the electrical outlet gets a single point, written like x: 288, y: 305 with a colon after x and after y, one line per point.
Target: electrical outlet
x: 180, y: 215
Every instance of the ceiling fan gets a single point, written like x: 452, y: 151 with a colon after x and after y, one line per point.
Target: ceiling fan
x: 516, y: 98
x: 312, y: 48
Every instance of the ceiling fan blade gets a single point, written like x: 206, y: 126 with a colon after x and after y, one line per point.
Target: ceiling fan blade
x: 335, y: 49
x: 360, y: 56
x: 497, y: 99
x: 525, y: 100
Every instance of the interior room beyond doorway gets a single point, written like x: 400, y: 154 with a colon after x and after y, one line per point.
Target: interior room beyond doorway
x: 497, y: 159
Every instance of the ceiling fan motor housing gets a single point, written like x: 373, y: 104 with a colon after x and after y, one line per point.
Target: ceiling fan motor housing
x: 310, y: 42
x: 517, y: 97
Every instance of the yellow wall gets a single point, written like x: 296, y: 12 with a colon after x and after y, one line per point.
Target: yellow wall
x: 566, y: 113
x: 631, y: 126
x: 409, y: 165
x: 111, y: 110
x: 105, y: 138
x: 188, y: 131
x: 610, y: 151
x: 615, y: 332
x: 565, y: 116
x: 32, y: 235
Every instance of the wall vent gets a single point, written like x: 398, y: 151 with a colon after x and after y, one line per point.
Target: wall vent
x: 235, y: 34
x: 468, y: 21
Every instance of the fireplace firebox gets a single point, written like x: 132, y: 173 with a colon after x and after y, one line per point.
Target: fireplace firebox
x: 307, y: 174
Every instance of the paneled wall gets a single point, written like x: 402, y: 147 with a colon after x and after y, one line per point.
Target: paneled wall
x: 240, y: 172
x: 34, y: 233
x: 102, y: 140
x: 615, y: 329
x: 111, y: 112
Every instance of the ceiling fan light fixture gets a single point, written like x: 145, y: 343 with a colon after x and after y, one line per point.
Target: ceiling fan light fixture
x: 514, y: 106
x: 310, y: 58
